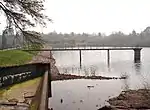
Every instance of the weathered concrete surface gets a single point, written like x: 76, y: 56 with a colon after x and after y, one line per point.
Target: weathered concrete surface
x: 19, y: 96
x: 46, y: 57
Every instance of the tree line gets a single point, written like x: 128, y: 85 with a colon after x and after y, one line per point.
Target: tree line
x: 85, y: 39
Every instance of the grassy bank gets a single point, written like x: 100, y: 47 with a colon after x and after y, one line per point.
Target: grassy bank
x: 17, y: 57
x: 14, y: 57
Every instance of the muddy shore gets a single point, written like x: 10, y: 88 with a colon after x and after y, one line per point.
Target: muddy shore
x: 130, y: 100
x: 70, y: 77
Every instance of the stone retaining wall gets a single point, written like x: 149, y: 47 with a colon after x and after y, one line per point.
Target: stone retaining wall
x: 16, y: 74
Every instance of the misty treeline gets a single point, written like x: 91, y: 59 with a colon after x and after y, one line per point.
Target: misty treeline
x: 84, y: 39
x: 74, y: 39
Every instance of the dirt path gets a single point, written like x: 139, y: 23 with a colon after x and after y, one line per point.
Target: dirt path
x: 41, y: 57
x: 16, y: 96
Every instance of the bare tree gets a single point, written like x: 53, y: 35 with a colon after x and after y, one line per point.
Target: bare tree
x: 22, y: 14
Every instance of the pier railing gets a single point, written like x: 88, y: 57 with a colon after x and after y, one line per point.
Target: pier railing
x: 137, y: 51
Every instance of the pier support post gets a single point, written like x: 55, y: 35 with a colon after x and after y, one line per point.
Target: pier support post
x: 80, y: 58
x: 137, y: 55
x: 108, y: 57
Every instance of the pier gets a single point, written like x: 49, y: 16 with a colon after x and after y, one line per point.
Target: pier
x: 137, y: 51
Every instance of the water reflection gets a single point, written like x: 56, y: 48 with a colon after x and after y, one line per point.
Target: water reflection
x: 92, y: 94
x: 83, y: 94
x: 138, y: 68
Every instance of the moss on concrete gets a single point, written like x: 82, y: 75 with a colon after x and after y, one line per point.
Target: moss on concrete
x: 17, y: 91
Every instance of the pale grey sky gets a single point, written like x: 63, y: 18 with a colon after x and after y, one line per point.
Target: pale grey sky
x: 90, y: 16
x: 103, y: 16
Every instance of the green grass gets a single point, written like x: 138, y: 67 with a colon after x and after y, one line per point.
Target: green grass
x: 33, y: 47
x: 2, y: 91
x: 18, y: 57
x: 14, y: 57
x: 16, y: 89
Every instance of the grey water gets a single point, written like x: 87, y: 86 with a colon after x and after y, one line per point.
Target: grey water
x: 76, y: 95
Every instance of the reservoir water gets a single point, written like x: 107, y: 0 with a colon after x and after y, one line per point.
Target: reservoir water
x: 76, y: 94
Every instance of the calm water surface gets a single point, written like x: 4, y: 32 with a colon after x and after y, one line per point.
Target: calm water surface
x: 76, y: 95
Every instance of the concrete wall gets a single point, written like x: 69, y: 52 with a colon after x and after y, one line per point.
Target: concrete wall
x: 17, y: 74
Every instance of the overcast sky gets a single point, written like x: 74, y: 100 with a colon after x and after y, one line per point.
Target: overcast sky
x: 104, y: 16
